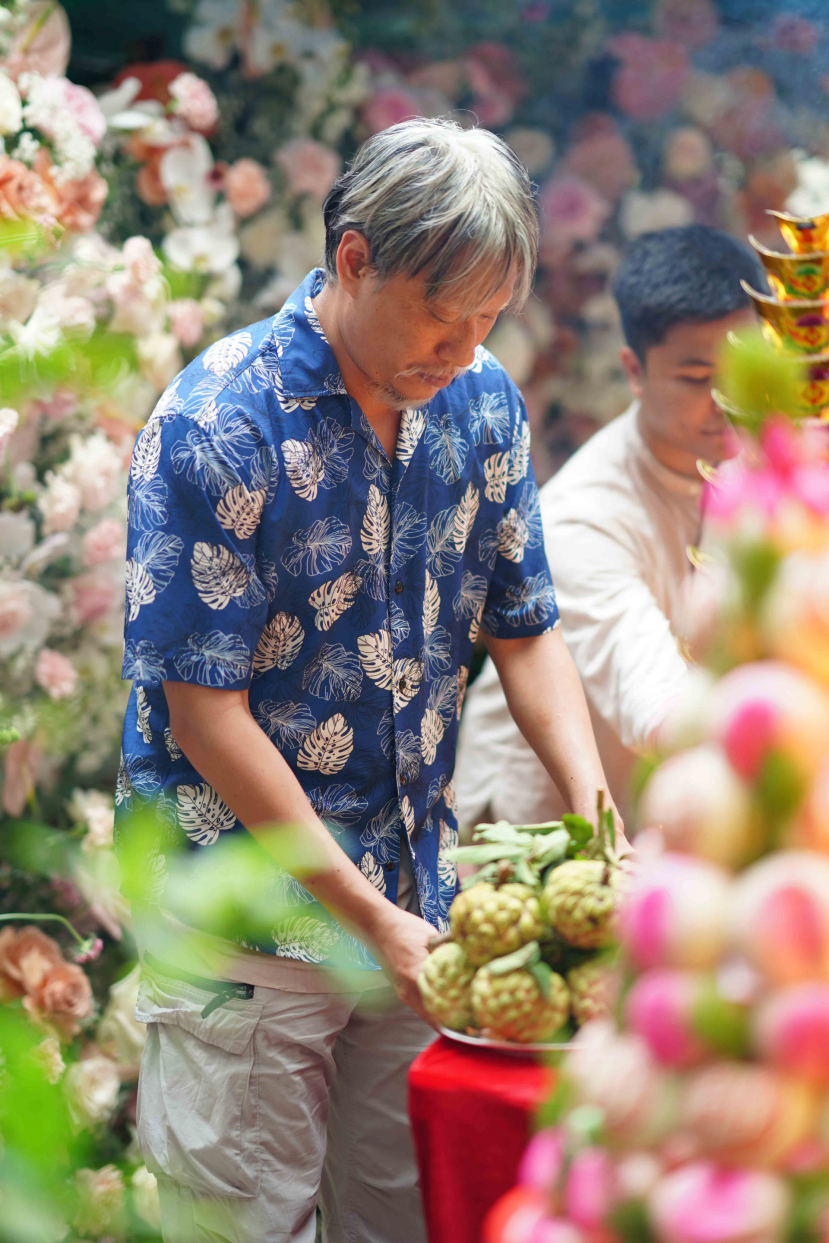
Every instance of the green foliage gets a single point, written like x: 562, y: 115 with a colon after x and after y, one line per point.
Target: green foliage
x: 757, y: 378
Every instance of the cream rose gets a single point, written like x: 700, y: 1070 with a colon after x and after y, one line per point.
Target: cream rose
x: 91, y: 1087
x: 118, y: 1027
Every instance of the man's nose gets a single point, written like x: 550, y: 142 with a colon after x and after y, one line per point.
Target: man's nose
x: 459, y: 349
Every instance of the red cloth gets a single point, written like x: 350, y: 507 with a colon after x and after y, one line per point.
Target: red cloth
x: 471, y: 1112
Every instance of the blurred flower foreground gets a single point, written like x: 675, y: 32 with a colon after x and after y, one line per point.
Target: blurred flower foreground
x: 701, y: 1112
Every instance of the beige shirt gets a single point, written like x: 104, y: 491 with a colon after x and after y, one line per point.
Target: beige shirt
x: 617, y: 525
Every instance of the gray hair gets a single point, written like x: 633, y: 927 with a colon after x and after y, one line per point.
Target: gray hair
x: 431, y: 197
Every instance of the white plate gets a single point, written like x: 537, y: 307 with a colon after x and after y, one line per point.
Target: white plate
x: 504, y: 1046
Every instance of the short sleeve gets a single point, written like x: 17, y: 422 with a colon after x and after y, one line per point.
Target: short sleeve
x: 521, y: 600
x: 196, y: 590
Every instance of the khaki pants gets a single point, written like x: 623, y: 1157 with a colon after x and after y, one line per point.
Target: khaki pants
x: 250, y: 1113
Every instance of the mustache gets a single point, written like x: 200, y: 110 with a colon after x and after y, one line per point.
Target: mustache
x: 437, y: 375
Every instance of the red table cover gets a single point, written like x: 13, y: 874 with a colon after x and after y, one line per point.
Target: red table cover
x: 471, y: 1112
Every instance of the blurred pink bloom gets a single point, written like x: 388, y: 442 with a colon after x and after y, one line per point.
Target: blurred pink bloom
x: 84, y: 109
x: 60, y: 405
x: 554, y: 1230
x: 44, y: 43
x: 57, y: 675
x: 310, y: 167
x: 194, y: 101
x: 100, y: 1201
x: 15, y: 609
x: 651, y: 77
x: 588, y: 1189
x: 542, y: 1161
x: 388, y: 106
x: 789, y: 470
x: 692, y: 23
x: 497, y: 86
x: 701, y: 1203
x: 675, y: 913
x: 659, y: 1007
x: 571, y: 211
x: 89, y: 951
x: 780, y: 916
x: 246, y: 186
x: 21, y: 763
x: 93, y: 595
x: 792, y: 1029
x: 79, y: 202
x: 748, y: 737
x: 186, y: 321
x: 604, y: 157
x: 140, y: 259
x: 103, y: 541
x: 792, y: 33
x: 687, y: 154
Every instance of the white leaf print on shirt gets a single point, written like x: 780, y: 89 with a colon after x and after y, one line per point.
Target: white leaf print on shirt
x: 142, y: 661
x: 533, y: 601
x: 333, y: 673
x: 287, y: 723
x: 408, y: 757
x: 284, y: 326
x: 376, y: 657
x: 142, y: 714
x: 240, y: 510
x: 447, y: 448
x: 442, y: 553
x: 320, y: 460
x: 496, y: 473
x: 318, y: 548
x: 332, y: 599
x: 279, y: 643
x: 218, y: 575
x: 431, y: 605
x: 407, y: 812
x: 374, y: 532
x: 466, y: 512
x: 327, y: 748
x: 213, y: 459
x: 147, y: 502
x: 173, y: 749
x: 383, y: 832
x: 520, y: 454
x: 440, y: 708
x: 168, y: 404
x: 337, y: 804
x: 313, y: 319
x: 408, y: 534
x: 373, y: 872
x: 202, y: 813
x: 489, y: 418
x: 407, y: 674
x: 150, y: 569
x: 411, y: 429
x: 227, y: 353
x: 214, y: 659
x: 436, y: 652
x: 302, y: 937
x: 471, y: 596
x: 463, y: 678
x: 147, y: 453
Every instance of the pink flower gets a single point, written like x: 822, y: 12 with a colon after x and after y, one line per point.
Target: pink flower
x: 93, y: 595
x: 496, y: 84
x: 792, y: 1030
x: 44, y: 43
x: 675, y: 913
x: 388, y: 106
x: 604, y: 157
x: 310, y: 167
x: 692, y: 23
x: 687, y: 154
x: 780, y: 916
x: 571, y: 211
x: 186, y: 321
x: 701, y: 1203
x: 15, y: 609
x: 542, y: 1161
x: 247, y: 186
x: 194, y: 101
x: 140, y: 259
x: 791, y: 33
x: 588, y: 1189
x: 659, y: 1007
x: 60, y: 405
x: 84, y: 109
x: 57, y: 675
x: 21, y: 764
x: 103, y: 541
x: 651, y: 77
x: 100, y: 1201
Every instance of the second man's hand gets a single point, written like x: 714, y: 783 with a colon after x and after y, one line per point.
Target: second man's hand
x: 401, y: 943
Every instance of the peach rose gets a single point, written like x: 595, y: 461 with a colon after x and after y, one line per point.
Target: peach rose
x: 27, y: 957
x: 101, y: 1202
x: 63, y: 998
x: 23, y: 193
x: 103, y: 541
x: 310, y: 167
x: 92, y: 1087
x: 21, y: 764
x: 247, y: 186
x: 78, y: 203
x: 9, y: 987
x: 55, y: 674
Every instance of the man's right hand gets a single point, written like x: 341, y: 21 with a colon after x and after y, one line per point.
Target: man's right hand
x: 401, y: 942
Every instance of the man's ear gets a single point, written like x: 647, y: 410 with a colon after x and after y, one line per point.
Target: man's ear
x: 634, y: 370
x: 353, y: 261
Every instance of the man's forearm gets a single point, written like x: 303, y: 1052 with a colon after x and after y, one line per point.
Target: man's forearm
x: 547, y: 703
x: 226, y: 746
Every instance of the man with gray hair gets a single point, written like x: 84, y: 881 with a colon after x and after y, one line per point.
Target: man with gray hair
x: 326, y: 508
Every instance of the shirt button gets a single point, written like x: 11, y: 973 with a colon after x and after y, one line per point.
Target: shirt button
x: 398, y: 586
x: 389, y: 866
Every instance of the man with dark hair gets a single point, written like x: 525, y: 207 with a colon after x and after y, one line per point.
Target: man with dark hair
x: 618, y: 520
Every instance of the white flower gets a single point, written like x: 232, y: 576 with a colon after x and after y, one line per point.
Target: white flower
x: 26, y: 615
x: 49, y: 1058
x: 9, y: 419
x: 94, y: 809
x: 211, y: 37
x: 18, y: 295
x: 60, y: 503
x: 145, y: 1197
x: 100, y: 1202
x: 210, y: 248
x: 74, y: 313
x: 39, y: 335
x: 11, y: 109
x: 91, y: 1088
x: 118, y: 1027
x: 98, y: 877
x: 140, y: 259
x: 159, y: 358
x: 812, y: 193
x: 27, y: 148
x: 17, y: 534
x: 95, y: 468
x: 643, y: 212
x: 184, y: 171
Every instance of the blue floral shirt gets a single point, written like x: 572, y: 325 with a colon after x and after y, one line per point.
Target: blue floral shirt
x: 274, y: 547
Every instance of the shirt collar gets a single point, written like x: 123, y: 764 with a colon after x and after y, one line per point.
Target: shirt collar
x: 671, y: 480
x: 307, y: 364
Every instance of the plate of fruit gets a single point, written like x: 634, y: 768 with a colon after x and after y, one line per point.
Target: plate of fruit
x: 529, y: 952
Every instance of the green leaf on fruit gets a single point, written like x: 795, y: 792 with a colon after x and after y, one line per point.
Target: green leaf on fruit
x: 517, y: 960
x: 542, y: 974
x: 580, y: 829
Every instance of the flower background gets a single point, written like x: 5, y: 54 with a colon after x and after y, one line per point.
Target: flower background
x: 161, y: 180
